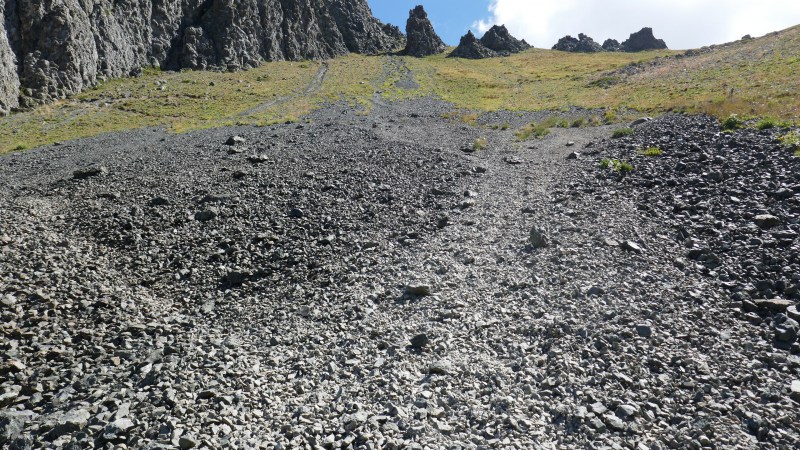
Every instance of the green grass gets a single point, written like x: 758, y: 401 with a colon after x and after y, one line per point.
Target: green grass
x: 532, y: 130
x: 733, y: 122
x: 790, y: 140
x: 480, y: 144
x: 652, y: 151
x: 616, y: 165
x: 622, y: 132
x: 753, y: 78
x: 766, y: 123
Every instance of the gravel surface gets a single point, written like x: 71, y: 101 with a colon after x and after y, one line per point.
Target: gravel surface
x: 370, y: 282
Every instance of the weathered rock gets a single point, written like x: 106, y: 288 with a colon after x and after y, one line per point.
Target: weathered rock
x: 62, y: 48
x: 9, y: 80
x: 794, y: 391
x: 419, y: 341
x: 421, y: 39
x: 767, y: 221
x: 775, y: 305
x: 89, y: 172
x: 206, y: 214
x: 537, y: 238
x: 643, y: 40
x: 471, y: 48
x: 611, y: 45
x: 499, y: 40
x: 584, y: 44
x: 235, y: 140
x: 420, y: 289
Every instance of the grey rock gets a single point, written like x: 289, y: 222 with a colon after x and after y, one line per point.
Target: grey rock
x: 158, y: 201
x: 583, y: 44
x: 644, y: 330
x: 537, y: 238
x: 441, y: 367
x: 421, y: 39
x: 419, y: 341
x: 186, y: 442
x: 470, y: 48
x: 775, y: 305
x: 11, y: 426
x: 235, y: 140
x: 574, y: 155
x: 9, y: 79
x: 630, y: 246
x: 786, y: 329
x: 793, y: 312
x: 614, y: 422
x: 117, y: 428
x: 626, y: 412
x: 643, y: 40
x: 69, y: 422
x: 296, y: 213
x: 206, y: 214
x: 598, y: 408
x: 419, y: 289
x: 794, y: 391
x: 498, y: 39
x: 89, y: 172
x: 767, y: 221
x: 611, y: 45
x: 640, y: 121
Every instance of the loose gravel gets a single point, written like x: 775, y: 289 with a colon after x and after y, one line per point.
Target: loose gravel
x: 369, y: 281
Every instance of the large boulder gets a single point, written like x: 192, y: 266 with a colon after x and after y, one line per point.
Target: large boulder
x: 471, y: 48
x: 498, y: 39
x: 60, y: 47
x: 643, y: 40
x: 421, y: 39
x: 584, y: 44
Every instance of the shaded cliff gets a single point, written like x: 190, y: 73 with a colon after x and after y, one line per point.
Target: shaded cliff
x: 50, y: 49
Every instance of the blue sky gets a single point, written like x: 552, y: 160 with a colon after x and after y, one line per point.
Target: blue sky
x: 682, y: 24
x: 450, y: 18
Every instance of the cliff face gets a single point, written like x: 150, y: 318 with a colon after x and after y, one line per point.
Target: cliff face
x: 9, y: 80
x: 53, y: 48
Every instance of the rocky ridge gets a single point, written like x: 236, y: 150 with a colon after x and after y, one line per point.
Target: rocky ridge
x: 498, y: 39
x: 421, y: 38
x: 50, y: 50
x: 643, y: 40
x: 471, y: 48
x: 640, y: 41
x: 583, y: 44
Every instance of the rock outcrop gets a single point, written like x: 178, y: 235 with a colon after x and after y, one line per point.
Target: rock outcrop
x: 9, y: 81
x: 611, y: 45
x: 643, y: 40
x: 398, y: 39
x: 584, y: 44
x: 50, y: 49
x: 471, y: 48
x: 421, y: 38
x: 498, y: 39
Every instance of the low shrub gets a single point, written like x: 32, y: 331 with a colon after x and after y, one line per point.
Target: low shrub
x: 480, y: 144
x: 532, y: 130
x: 622, y: 132
x: 652, y: 151
x: 733, y: 122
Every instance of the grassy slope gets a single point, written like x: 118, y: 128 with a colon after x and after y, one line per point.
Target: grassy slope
x: 761, y: 72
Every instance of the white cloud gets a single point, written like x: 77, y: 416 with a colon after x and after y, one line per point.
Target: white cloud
x: 682, y: 24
